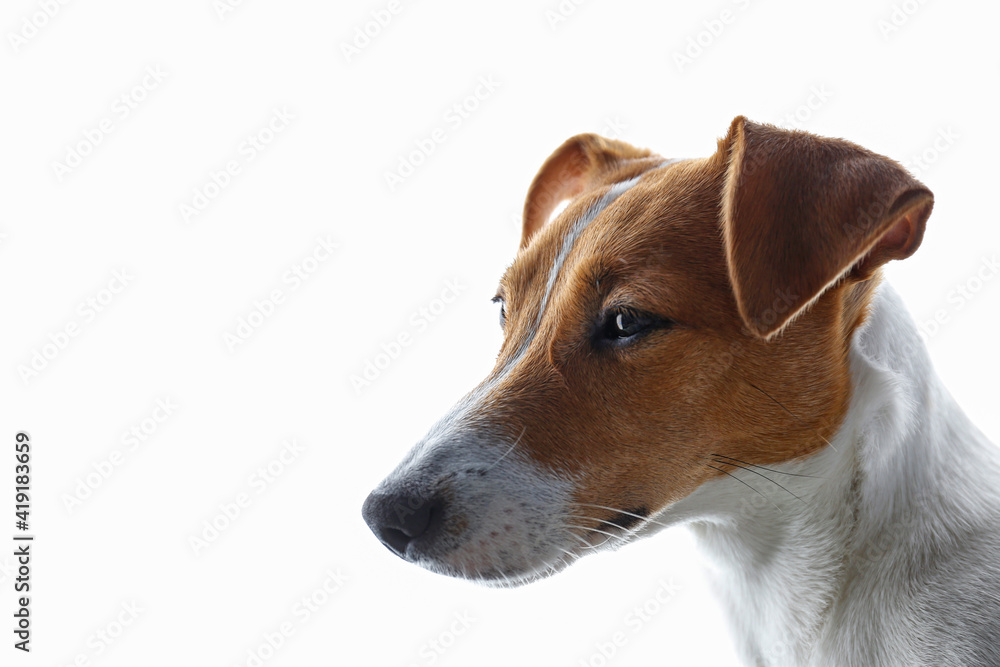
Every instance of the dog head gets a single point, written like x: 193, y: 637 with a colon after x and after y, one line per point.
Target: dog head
x: 676, y: 317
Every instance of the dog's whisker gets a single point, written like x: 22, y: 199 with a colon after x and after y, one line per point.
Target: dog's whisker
x: 598, y: 546
x: 793, y: 415
x: 598, y: 530
x: 748, y: 486
x: 509, y: 450
x: 613, y: 524
x: 604, y: 521
x: 586, y: 544
x: 583, y: 517
x: 580, y: 539
x: 749, y: 469
x: 613, y: 509
x: 609, y: 523
x: 780, y: 472
x: 610, y: 536
x: 828, y: 442
x: 572, y: 557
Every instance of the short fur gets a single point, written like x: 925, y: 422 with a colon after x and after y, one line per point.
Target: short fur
x: 788, y: 412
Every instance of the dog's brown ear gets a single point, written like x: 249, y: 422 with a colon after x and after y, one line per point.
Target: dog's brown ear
x: 577, y: 165
x: 800, y: 212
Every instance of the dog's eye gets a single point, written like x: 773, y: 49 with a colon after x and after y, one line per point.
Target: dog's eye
x: 621, y: 325
x: 624, y: 324
x: 503, y: 310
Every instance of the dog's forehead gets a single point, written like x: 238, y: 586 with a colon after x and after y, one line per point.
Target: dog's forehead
x: 669, y: 211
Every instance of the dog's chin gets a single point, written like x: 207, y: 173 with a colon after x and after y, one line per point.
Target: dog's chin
x: 494, y: 576
x: 505, y: 576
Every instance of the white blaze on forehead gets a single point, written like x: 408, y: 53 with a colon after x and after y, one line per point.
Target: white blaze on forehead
x: 574, y: 232
x: 577, y: 229
x: 565, y: 249
x: 454, y: 426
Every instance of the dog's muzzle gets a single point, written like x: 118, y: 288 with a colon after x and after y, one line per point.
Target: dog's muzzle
x: 404, y: 522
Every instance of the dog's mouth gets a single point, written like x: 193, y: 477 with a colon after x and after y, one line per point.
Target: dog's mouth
x: 504, y: 553
x: 622, y: 521
x: 496, y: 575
x: 478, y: 509
x: 499, y: 576
x: 494, y: 539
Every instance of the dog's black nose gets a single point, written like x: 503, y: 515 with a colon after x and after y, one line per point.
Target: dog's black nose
x: 399, y: 519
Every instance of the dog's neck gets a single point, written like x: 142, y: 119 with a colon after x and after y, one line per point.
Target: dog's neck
x: 813, y: 562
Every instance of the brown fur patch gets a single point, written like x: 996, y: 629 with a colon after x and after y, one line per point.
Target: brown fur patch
x: 763, y: 237
x: 799, y: 211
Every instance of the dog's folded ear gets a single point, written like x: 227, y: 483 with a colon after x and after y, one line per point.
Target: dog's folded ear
x: 581, y: 163
x: 801, y: 212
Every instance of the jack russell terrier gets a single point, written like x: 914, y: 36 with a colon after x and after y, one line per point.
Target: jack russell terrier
x: 708, y: 342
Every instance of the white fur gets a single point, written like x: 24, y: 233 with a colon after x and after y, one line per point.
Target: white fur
x: 892, y: 555
x: 882, y: 549
x: 502, y: 530
x: 512, y: 512
x: 577, y: 228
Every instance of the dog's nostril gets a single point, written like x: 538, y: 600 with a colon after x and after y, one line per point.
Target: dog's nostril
x: 399, y: 519
x: 395, y: 539
x: 413, y: 523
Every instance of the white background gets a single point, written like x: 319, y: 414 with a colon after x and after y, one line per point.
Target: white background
x: 607, y: 67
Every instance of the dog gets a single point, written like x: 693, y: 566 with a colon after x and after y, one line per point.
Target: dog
x: 709, y: 342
